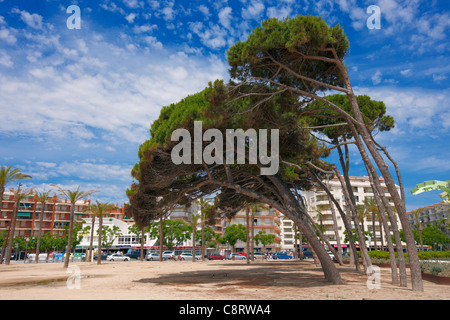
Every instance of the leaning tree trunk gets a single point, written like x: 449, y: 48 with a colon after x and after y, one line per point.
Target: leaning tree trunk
x: 70, y: 235
x: 142, y: 244
x: 416, y: 275
x: 336, y: 232
x: 99, y: 243
x: 367, y: 263
x: 161, y: 238
x: 12, y: 230
x: 38, y: 244
x: 393, y: 263
x: 298, y: 215
x: 91, y: 241
x: 376, y: 186
x: 247, y: 218
x: 253, y: 234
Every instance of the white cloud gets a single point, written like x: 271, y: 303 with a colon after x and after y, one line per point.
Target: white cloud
x: 134, y: 4
x: 130, y: 17
x: 376, y: 78
x: 254, y: 10
x: 8, y: 36
x: 5, y: 59
x: 153, y: 42
x: 406, y: 72
x: 169, y: 12
x: 413, y: 108
x: 33, y: 20
x: 279, y: 12
x: 205, y: 10
x: 225, y: 17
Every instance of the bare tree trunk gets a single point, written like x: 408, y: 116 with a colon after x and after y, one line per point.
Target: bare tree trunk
x: 336, y: 233
x: 416, y: 275
x: 360, y: 236
x: 247, y: 218
x: 69, y: 240
x: 12, y: 230
x: 142, y: 244
x: 294, y: 228
x: 91, y: 242
x: 38, y: 243
x: 99, y: 241
x: 378, y: 192
x: 253, y: 235
x: 392, y: 259
x: 161, y: 238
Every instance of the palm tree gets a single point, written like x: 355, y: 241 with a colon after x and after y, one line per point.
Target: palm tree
x: 42, y: 198
x: 372, y: 208
x: 194, y: 222
x: 319, y: 217
x: 99, y: 210
x: 7, y: 175
x: 362, y: 214
x: 253, y: 209
x: 74, y: 196
x: 416, y: 214
x: 19, y: 195
x: 91, y: 241
x: 203, y: 203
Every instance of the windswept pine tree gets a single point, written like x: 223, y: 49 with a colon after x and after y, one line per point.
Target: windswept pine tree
x: 305, y: 57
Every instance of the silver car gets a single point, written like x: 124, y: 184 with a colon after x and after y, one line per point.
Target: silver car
x: 117, y: 257
x: 187, y: 256
x: 153, y: 257
x: 236, y: 256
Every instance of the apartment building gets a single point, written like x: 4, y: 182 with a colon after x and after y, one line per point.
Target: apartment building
x: 435, y: 214
x: 320, y: 208
x: 56, y: 215
x: 267, y: 220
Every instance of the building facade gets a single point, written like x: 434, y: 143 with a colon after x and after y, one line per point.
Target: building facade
x: 321, y: 209
x: 436, y: 214
x: 266, y: 220
x: 56, y: 215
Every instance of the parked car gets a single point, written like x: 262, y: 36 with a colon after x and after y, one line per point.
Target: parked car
x: 307, y: 254
x: 187, y: 256
x: 117, y: 257
x: 259, y: 255
x: 18, y: 256
x: 282, y: 255
x: 103, y: 256
x: 153, y: 256
x: 134, y: 255
x: 216, y: 256
x: 169, y: 254
x: 236, y: 256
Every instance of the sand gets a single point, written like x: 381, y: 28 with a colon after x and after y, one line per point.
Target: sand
x: 187, y: 280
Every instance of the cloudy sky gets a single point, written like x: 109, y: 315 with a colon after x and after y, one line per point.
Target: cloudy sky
x: 75, y: 104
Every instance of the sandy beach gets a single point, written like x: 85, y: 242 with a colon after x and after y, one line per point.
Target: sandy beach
x: 187, y: 280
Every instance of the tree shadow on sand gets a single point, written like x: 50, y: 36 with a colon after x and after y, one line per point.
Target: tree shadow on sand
x: 278, y: 274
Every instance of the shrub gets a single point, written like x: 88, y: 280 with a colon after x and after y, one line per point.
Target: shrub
x: 441, y: 269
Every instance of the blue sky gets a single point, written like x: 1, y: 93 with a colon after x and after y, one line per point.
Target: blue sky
x: 76, y: 104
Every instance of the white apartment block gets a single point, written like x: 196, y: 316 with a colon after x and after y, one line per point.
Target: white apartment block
x: 317, y: 199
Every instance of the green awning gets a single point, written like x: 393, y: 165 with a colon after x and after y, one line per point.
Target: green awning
x: 23, y: 214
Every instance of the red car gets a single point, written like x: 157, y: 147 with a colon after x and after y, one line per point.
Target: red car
x: 216, y: 256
